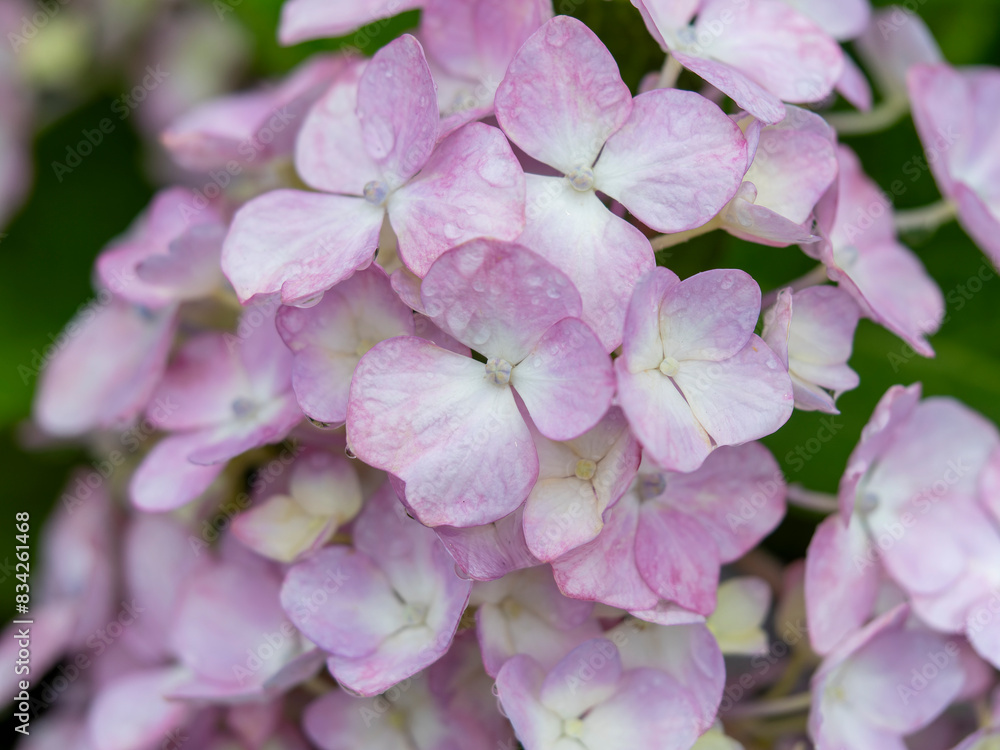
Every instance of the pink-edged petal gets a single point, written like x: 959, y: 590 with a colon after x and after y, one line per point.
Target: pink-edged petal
x: 795, y: 164
x: 497, y: 298
x: 605, y: 569
x: 603, y: 255
x: 269, y: 423
x: 570, y: 693
x: 677, y: 557
x: 518, y: 686
x: 642, y: 347
x: 341, y: 600
x: 566, y: 381
x: 106, y: 370
x: 253, y: 126
x: 298, y: 243
x: 709, y: 316
x: 737, y: 495
x: 778, y: 47
x: 689, y: 653
x: 425, y: 329
x: 329, y: 339
x: 132, y: 711
x: 400, y: 656
x: 431, y: 417
x: 314, y: 19
x: 981, y: 223
x: 777, y: 325
x: 490, y: 551
x: 666, y: 15
x: 842, y: 579
x: 846, y: 19
x: 747, y: 94
x: 472, y: 186
x: 397, y: 108
x: 675, y: 162
x: 224, y: 613
x: 560, y: 514
x: 662, y: 419
x: 854, y: 87
x: 745, y: 397
x: 744, y: 219
x: 888, y: 57
x: 649, y: 709
x: 166, y: 479
x: 330, y: 153
x: 562, y: 95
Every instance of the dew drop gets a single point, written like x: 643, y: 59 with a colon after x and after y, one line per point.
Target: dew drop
x: 451, y: 231
x: 495, y: 690
x: 727, y: 282
x: 349, y: 453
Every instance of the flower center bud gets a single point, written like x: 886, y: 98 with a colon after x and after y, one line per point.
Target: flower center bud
x: 243, y: 407
x: 573, y: 728
x: 669, y: 367
x: 415, y: 614
x: 511, y: 607
x: 581, y: 178
x: 585, y: 469
x: 376, y: 192
x: 363, y: 346
x: 498, y: 371
x: 652, y: 485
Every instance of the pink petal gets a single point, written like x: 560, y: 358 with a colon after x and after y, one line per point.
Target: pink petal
x: 662, y: 419
x: 743, y: 398
x: 518, y: 685
x: 234, y: 128
x: 602, y: 254
x: 605, y: 569
x: 166, y: 479
x: 341, y: 600
x: 854, y: 87
x: 677, y: 557
x: 490, y: 551
x: 675, y: 162
x: 330, y: 152
x: 642, y: 347
x: 313, y: 19
x: 737, y: 495
x: 775, y: 45
x: 566, y: 381
x: 298, y: 243
x: 842, y: 582
x: 104, y: 371
x: 397, y: 108
x: 569, y: 691
x: 650, y: 709
x: 472, y: 186
x: 562, y: 95
x: 497, y: 298
x: 747, y: 94
x: 329, y: 339
x: 709, y: 316
x: 132, y: 712
x: 888, y: 57
x: 847, y: 19
x: 431, y: 418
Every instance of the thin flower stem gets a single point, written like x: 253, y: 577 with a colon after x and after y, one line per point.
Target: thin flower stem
x: 801, y: 497
x: 780, y: 707
x: 926, y: 218
x: 669, y: 74
x: 880, y: 117
x: 814, y: 277
x: 663, y: 241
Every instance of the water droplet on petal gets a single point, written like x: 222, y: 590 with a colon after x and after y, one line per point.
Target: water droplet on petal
x: 727, y: 282
x: 349, y: 453
x: 451, y: 231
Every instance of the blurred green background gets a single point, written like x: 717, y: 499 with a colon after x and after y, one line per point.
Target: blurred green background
x: 50, y: 246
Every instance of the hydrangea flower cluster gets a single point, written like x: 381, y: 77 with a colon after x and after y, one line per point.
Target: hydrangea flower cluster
x: 446, y: 454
